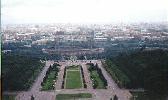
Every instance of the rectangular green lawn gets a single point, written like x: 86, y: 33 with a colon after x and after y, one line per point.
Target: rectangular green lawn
x: 73, y: 80
x: 73, y: 96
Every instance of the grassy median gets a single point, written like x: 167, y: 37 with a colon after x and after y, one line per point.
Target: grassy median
x: 73, y: 96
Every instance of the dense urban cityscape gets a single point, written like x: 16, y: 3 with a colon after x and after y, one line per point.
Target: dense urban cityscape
x: 91, y: 36
x: 68, y: 32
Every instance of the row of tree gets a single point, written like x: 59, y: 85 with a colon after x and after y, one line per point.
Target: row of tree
x: 146, y: 69
x: 19, y: 72
x: 63, y: 83
x: 118, y: 75
x: 84, y: 82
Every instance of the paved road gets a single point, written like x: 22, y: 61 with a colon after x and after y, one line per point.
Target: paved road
x: 87, y: 76
x: 59, y: 81
x: 112, y: 88
x: 36, y: 86
x: 122, y: 94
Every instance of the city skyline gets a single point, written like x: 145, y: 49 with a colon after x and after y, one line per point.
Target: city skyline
x: 83, y: 11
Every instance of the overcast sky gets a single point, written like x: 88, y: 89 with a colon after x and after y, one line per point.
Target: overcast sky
x: 83, y: 11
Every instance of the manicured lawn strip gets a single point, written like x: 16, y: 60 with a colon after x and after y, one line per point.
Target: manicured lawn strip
x: 73, y: 79
x: 97, y: 80
x: 48, y: 81
x: 8, y: 97
x: 48, y: 84
x: 73, y: 96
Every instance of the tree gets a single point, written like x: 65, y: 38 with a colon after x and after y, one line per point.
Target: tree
x: 32, y: 98
x: 115, y: 97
